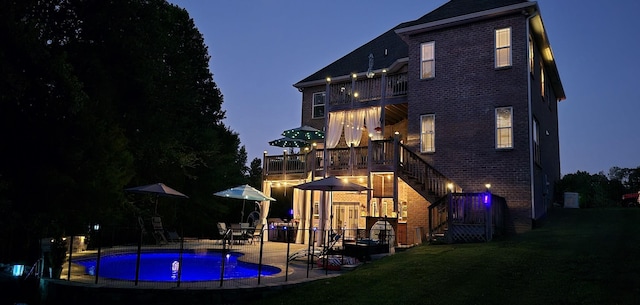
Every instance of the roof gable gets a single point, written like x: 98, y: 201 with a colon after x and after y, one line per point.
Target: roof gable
x: 386, y: 49
x: 456, y: 8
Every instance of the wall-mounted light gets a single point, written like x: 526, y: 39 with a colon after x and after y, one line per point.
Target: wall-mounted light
x: 488, y: 185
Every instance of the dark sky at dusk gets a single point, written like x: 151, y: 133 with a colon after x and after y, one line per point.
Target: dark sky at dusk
x: 260, y: 48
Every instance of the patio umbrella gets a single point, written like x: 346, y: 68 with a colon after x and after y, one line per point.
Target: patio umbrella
x: 158, y: 189
x: 331, y: 184
x: 244, y: 192
x: 288, y: 142
x: 305, y: 132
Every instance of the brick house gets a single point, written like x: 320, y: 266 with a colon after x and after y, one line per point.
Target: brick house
x: 462, y: 100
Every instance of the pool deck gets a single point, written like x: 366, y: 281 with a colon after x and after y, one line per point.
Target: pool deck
x: 273, y: 254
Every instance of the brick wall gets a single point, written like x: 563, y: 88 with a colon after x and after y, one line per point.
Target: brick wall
x: 463, y: 96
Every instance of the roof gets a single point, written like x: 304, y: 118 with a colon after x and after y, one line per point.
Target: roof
x: 389, y: 48
x: 456, y: 8
x: 386, y: 49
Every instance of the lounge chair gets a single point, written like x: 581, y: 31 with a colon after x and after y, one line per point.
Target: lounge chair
x: 317, y: 252
x: 173, y: 236
x: 158, y: 230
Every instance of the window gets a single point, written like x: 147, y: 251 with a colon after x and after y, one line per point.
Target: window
x: 374, y: 208
x: 316, y: 210
x: 318, y: 105
x: 384, y: 209
x: 504, y: 127
x: 428, y: 63
x: 427, y: 133
x: 403, y: 214
x: 532, y: 55
x: 536, y: 141
x: 503, y: 47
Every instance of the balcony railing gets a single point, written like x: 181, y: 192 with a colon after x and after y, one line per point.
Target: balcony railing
x: 384, y: 155
x: 368, y: 89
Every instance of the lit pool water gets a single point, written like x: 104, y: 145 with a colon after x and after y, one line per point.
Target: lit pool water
x: 163, y: 266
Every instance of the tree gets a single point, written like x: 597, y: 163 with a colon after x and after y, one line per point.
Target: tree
x: 105, y: 95
x: 255, y: 173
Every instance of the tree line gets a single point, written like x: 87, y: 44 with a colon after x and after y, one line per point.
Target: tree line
x: 98, y: 96
x: 600, y: 190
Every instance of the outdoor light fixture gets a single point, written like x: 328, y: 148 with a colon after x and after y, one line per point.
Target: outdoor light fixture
x: 18, y: 270
x: 328, y: 79
x: 488, y: 185
x: 450, y: 186
x: 96, y: 227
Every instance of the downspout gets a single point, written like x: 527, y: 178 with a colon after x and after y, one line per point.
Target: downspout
x: 530, y: 118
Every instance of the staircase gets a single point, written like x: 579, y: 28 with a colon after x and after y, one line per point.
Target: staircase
x: 422, y: 177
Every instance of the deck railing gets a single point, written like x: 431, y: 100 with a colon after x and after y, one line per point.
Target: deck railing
x: 368, y: 89
x: 467, y: 217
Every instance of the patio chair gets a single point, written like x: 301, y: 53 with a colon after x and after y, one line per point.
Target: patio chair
x: 224, y: 232
x: 158, y: 230
x: 257, y: 233
x: 238, y: 232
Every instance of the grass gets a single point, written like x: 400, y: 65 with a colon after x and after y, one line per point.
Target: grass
x: 579, y: 256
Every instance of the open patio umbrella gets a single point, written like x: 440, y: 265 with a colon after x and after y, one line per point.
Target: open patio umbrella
x: 288, y: 142
x: 159, y: 190
x: 244, y: 192
x: 306, y: 133
x: 331, y: 184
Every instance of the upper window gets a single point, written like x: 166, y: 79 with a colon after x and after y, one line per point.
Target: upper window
x: 504, y: 127
x: 427, y: 58
x: 536, y: 141
x: 532, y: 55
x: 427, y: 133
x: 318, y: 105
x: 503, y: 47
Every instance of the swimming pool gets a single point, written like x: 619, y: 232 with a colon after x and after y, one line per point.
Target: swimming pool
x: 163, y: 266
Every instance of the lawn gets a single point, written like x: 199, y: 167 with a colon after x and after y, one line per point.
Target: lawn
x: 579, y: 256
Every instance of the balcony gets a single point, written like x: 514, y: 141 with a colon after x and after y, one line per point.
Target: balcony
x: 368, y: 90
x: 379, y: 156
x: 340, y: 162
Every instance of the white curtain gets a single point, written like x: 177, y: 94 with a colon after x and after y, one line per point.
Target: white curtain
x: 336, y: 121
x: 373, y: 122
x: 354, y: 123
